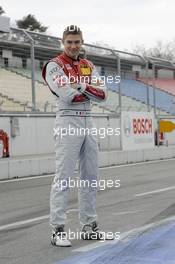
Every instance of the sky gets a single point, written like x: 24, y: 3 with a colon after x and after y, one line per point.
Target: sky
x: 120, y: 24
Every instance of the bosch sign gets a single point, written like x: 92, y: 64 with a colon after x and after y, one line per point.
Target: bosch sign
x: 142, y: 126
x: 137, y: 130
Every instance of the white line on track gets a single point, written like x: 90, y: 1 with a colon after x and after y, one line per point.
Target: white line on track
x: 126, y: 212
x: 104, y: 168
x: 21, y: 223
x: 27, y: 178
x: 37, y: 219
x: 124, y: 235
x: 29, y: 221
x: 155, y: 191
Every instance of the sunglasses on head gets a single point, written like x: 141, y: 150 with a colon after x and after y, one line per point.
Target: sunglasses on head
x: 73, y: 42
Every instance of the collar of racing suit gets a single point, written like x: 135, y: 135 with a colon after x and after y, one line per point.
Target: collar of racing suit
x: 69, y: 59
x: 72, y: 67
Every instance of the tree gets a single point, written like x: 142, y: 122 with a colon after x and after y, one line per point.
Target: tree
x: 1, y: 10
x: 160, y: 50
x: 31, y: 23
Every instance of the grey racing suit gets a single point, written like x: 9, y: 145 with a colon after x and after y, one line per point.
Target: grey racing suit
x: 74, y: 112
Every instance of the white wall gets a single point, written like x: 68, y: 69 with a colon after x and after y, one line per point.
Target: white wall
x: 167, y: 74
x: 36, y: 135
x: 39, y: 165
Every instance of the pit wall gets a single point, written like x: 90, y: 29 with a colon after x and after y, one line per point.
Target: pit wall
x: 32, y: 149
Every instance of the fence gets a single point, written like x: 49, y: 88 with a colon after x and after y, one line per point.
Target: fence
x: 24, y: 54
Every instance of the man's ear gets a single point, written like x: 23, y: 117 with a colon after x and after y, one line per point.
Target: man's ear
x: 82, y: 41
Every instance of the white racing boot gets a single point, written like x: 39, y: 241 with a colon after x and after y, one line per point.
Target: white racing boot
x: 59, y: 237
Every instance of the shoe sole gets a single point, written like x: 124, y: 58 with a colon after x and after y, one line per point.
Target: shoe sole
x: 54, y: 244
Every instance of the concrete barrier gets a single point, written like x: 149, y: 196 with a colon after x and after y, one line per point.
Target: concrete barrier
x: 44, y: 164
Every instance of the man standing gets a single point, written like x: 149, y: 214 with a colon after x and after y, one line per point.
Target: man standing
x: 63, y: 76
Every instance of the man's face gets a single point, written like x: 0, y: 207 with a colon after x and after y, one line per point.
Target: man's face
x: 72, y: 45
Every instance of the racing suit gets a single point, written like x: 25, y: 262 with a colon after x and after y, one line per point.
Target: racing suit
x: 74, y: 110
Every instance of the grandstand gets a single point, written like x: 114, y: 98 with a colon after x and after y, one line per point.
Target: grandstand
x: 137, y: 91
x: 18, y: 88
x: 21, y: 100
x: 167, y: 85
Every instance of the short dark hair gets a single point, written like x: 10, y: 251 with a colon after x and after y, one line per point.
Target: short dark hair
x: 72, y: 29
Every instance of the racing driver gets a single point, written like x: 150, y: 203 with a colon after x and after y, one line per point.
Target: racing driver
x: 71, y: 80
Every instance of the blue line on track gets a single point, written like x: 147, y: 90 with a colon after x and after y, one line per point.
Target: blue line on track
x: 154, y: 246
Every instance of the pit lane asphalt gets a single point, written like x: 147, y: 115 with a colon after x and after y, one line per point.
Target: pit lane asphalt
x: 146, y: 195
